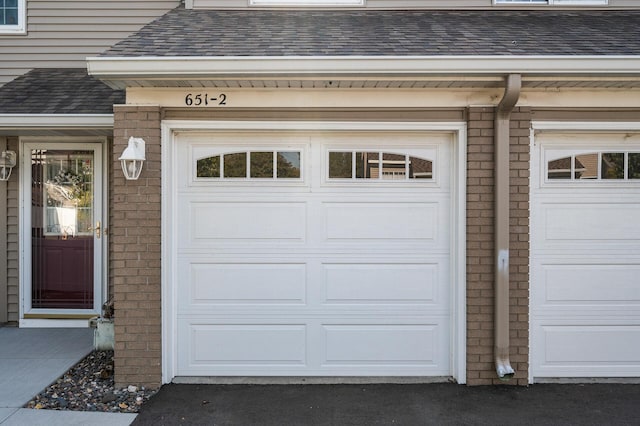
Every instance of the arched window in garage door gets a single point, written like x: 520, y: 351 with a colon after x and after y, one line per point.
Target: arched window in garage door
x: 377, y: 165
x: 595, y: 166
x: 251, y: 165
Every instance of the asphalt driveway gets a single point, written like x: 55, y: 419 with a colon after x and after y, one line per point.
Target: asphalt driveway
x: 384, y: 404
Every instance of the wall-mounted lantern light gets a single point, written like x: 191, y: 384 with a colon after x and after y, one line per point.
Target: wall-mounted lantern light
x: 132, y: 158
x: 7, y: 163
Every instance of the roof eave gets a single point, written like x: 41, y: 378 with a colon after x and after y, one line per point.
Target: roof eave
x: 349, y: 66
x: 44, y: 124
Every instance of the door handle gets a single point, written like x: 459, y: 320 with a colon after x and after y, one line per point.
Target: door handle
x: 98, y: 229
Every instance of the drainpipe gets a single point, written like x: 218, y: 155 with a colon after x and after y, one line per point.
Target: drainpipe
x: 501, y: 305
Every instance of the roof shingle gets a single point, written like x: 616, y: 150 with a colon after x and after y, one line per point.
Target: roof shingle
x: 58, y: 91
x: 253, y: 32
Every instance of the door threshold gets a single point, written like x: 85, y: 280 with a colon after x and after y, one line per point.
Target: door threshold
x: 60, y: 316
x: 54, y: 323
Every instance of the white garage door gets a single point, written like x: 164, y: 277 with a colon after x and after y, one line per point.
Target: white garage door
x: 301, y: 254
x: 585, y: 256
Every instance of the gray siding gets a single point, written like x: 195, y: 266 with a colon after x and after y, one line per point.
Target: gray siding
x: 409, y: 4
x: 13, y: 246
x: 63, y: 33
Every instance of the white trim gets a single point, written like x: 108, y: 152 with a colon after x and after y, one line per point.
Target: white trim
x: 24, y: 229
x: 21, y: 27
x: 169, y: 228
x: 55, y: 120
x: 169, y: 297
x: 459, y: 255
x: 603, y: 126
x: 357, y: 66
x: 311, y: 125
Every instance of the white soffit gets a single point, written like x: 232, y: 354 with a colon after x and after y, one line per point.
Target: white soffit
x: 483, y: 70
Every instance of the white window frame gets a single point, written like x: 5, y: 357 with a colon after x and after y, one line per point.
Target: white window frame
x: 380, y: 179
x: 21, y: 27
x: 248, y: 177
x: 553, y: 2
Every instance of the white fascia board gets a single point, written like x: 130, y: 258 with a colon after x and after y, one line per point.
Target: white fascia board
x: 356, y: 66
x: 15, y: 121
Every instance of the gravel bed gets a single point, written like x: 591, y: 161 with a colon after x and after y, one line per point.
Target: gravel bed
x: 89, y: 386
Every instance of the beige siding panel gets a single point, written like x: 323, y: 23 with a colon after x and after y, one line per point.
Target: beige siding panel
x: 83, y: 13
x: 63, y: 33
x: 585, y: 114
x: 12, y: 241
x: 3, y: 245
x: 53, y: 23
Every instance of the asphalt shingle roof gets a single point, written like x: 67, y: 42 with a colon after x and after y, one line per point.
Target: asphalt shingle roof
x: 254, y: 32
x: 58, y: 91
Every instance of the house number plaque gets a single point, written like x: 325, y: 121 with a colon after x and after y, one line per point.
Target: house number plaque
x: 205, y: 99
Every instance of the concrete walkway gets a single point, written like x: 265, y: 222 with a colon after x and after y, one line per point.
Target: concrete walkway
x: 30, y: 360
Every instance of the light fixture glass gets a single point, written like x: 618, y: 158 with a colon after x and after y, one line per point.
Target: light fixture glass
x: 7, y: 163
x: 133, y: 158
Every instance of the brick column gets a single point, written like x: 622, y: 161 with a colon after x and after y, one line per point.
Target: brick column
x: 480, y: 246
x: 134, y: 251
x: 519, y: 242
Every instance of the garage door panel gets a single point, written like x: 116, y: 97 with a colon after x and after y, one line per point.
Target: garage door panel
x: 591, y: 221
x: 588, y: 350
x: 381, y: 283
x: 576, y: 284
x: 381, y: 221
x: 399, y: 344
x: 246, y: 283
x: 254, y: 344
x: 315, y: 347
x: 248, y: 221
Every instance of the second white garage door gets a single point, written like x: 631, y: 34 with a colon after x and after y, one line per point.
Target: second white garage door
x: 585, y: 256
x: 313, y: 255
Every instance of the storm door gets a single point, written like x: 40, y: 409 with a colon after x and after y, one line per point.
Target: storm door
x: 63, y: 213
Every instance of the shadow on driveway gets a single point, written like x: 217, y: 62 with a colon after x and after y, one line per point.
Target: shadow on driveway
x: 384, y: 404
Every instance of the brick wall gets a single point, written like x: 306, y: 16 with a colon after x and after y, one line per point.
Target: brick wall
x: 480, y: 246
x: 134, y: 251
x: 519, y: 242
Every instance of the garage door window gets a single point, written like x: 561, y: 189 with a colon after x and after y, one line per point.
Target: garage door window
x: 377, y: 165
x: 602, y: 166
x: 250, y: 165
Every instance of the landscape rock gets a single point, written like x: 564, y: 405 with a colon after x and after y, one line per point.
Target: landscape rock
x: 89, y: 386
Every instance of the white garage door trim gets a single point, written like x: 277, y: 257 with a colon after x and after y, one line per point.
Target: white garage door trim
x: 558, y: 318
x: 170, y: 173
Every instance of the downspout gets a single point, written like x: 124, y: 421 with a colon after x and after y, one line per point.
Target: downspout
x: 501, y: 305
